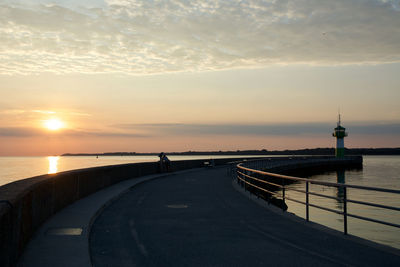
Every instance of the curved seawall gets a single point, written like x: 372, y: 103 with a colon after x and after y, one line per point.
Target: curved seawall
x: 299, y: 164
x: 26, y: 204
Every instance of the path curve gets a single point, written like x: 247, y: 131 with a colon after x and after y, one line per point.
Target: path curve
x: 198, y: 219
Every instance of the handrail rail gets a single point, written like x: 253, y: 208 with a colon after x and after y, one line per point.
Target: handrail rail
x: 245, y: 173
x: 386, y: 190
x: 259, y: 180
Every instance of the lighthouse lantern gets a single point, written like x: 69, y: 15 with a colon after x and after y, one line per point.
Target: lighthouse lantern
x: 340, y: 133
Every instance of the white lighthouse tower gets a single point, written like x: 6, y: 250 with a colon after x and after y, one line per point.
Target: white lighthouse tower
x: 340, y: 133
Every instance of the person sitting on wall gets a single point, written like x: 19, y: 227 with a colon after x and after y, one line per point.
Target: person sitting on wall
x: 161, y: 164
x: 167, y: 163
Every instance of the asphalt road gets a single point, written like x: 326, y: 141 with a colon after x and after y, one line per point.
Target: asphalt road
x: 199, y: 219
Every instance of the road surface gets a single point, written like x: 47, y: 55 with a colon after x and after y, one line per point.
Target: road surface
x: 199, y: 219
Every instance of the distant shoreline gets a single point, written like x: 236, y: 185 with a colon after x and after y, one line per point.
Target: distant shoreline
x: 263, y: 152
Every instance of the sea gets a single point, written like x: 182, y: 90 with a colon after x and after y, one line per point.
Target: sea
x: 377, y: 171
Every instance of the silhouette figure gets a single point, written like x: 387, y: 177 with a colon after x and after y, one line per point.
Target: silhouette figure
x: 165, y: 163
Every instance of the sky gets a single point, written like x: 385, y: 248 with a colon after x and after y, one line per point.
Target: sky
x: 178, y: 75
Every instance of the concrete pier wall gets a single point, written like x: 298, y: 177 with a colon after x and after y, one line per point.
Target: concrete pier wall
x: 298, y: 166
x: 27, y: 203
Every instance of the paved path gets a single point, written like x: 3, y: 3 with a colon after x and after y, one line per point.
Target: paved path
x: 199, y: 219
x: 51, y: 247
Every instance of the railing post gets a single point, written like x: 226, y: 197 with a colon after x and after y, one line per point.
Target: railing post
x: 345, y: 209
x: 244, y: 179
x: 307, y: 202
x: 283, y: 194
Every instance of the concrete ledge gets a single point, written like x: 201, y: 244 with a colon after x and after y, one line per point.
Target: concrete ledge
x: 31, y: 201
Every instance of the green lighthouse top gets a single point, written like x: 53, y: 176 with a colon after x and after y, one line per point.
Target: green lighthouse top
x: 339, y: 131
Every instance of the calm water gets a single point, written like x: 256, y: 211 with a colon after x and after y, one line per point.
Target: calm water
x: 378, y: 171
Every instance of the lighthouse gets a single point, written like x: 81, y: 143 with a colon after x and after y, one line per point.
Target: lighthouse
x: 340, y: 134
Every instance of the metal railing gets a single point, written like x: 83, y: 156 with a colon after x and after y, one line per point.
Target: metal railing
x: 262, y: 180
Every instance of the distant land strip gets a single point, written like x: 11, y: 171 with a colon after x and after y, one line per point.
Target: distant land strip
x: 262, y: 152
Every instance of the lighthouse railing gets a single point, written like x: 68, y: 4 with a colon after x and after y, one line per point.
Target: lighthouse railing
x: 261, y: 182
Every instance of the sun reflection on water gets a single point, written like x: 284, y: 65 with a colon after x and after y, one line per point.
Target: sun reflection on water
x: 53, y: 162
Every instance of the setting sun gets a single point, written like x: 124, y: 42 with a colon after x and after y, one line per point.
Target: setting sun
x: 53, y: 124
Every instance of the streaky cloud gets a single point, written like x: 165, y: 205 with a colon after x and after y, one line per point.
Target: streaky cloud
x: 281, y: 129
x: 35, y: 132
x: 19, y: 132
x: 147, y: 37
x: 182, y: 129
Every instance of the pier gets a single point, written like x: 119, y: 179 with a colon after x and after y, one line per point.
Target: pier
x: 130, y: 214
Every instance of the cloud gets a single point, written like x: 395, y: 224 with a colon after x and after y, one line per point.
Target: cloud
x: 18, y: 132
x: 12, y: 111
x: 182, y: 129
x: 145, y: 37
x: 288, y: 129
x: 43, y: 112
x: 376, y: 129
x: 35, y: 132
